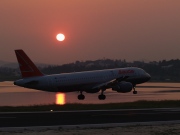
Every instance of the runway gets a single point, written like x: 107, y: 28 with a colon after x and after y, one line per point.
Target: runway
x: 26, y: 119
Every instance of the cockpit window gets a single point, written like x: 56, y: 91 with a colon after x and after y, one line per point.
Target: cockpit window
x: 143, y: 72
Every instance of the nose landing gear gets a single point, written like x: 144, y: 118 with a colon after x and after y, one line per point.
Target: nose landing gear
x: 134, y: 90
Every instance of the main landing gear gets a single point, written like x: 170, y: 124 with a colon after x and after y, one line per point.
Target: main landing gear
x: 81, y: 96
x: 134, y: 90
x: 102, y: 96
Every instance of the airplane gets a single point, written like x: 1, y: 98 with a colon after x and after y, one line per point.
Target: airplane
x: 121, y: 80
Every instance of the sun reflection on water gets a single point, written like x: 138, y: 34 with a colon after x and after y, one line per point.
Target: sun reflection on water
x: 60, y: 98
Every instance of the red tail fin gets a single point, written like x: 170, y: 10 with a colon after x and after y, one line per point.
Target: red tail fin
x: 27, y: 67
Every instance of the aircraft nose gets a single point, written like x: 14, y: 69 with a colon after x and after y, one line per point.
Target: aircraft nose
x: 148, y: 76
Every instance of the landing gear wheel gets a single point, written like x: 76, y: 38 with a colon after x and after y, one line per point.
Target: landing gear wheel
x: 81, y: 96
x: 134, y: 92
x: 102, y: 97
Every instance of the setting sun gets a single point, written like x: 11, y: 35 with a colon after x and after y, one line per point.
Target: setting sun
x: 60, y: 37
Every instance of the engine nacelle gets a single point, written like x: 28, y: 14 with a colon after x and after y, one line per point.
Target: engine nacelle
x: 123, y: 87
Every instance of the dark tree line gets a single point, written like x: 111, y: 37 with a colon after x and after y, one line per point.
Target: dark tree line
x: 160, y: 71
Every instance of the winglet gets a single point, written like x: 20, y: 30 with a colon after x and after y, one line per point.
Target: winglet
x: 27, y: 67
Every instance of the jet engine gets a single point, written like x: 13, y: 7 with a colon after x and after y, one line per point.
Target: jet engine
x: 123, y: 87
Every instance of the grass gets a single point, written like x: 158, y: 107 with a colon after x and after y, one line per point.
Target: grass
x: 70, y: 107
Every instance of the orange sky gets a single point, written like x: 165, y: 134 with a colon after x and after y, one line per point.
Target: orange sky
x: 117, y: 29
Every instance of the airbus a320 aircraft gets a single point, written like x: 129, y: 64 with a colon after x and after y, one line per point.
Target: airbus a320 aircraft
x: 120, y: 79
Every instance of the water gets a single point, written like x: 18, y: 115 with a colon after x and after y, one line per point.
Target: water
x: 11, y: 95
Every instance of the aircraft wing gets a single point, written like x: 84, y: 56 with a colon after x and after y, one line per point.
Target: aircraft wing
x: 110, y: 83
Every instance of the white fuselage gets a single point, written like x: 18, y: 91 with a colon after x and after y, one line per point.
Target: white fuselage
x: 83, y: 81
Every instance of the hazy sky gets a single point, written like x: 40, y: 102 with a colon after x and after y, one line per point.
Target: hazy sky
x: 94, y: 29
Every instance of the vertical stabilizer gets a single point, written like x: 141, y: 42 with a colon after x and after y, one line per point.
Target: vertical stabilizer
x: 27, y: 67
